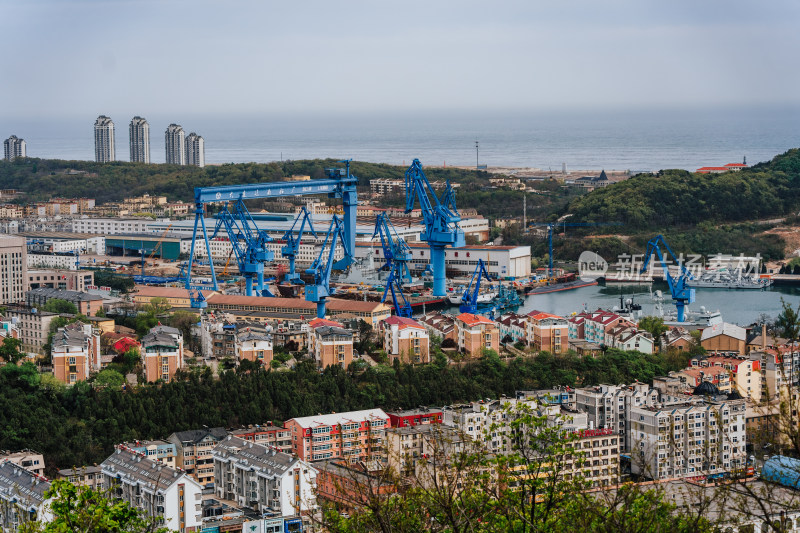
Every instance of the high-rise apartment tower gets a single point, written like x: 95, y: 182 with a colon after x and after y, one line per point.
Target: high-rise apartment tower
x: 175, y: 143
x: 104, y: 140
x: 14, y: 147
x: 195, y: 150
x: 140, y: 140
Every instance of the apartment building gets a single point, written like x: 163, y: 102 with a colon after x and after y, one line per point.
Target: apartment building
x: 111, y: 226
x: 607, y: 406
x: 13, y: 269
x: 744, y: 373
x: 14, y: 147
x: 513, y: 326
x: 442, y: 326
x: 548, y: 332
x: 254, y: 346
x: 263, y: 479
x: 169, y: 495
x: 139, y: 131
x: 629, y: 338
x: 174, y: 143
x: 193, y: 451
x: 410, y: 450
x: 267, y: 435
x: 415, y: 417
x: 485, y: 422
x: 28, y: 459
x: 104, y: 146
x: 162, y: 352
x: 705, y: 437
x: 354, y: 435
x: 195, y: 150
x: 405, y: 339
x: 21, y: 497
x: 71, y: 280
x: 331, y: 345
x: 75, y: 353
x: 33, y: 326
x: 692, y: 377
x: 156, y: 450
x: 349, y: 487
x: 474, y: 333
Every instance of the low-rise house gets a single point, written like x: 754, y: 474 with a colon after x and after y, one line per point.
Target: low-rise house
x: 548, y: 332
x: 28, y: 459
x: 405, y: 339
x: 75, y: 353
x: 476, y: 333
x: 600, y: 322
x: 21, y: 497
x: 193, y: 451
x: 353, y: 436
x: 677, y: 338
x: 628, y: 338
x: 764, y: 341
x: 162, y: 353
x: 725, y: 338
x: 442, y: 326
x: 169, y: 495
x: 513, y: 326
x: 263, y: 478
x: 87, y: 304
x: 84, y: 476
x: 254, y: 346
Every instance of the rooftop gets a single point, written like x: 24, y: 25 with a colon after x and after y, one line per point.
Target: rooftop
x: 17, y: 482
x: 341, y: 418
x: 134, y: 467
x: 269, y: 460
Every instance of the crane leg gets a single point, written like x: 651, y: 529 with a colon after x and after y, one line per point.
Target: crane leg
x: 437, y: 263
x: 248, y: 287
x: 321, y: 308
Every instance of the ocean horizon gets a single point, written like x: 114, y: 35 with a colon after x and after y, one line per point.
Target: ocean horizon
x: 637, y: 140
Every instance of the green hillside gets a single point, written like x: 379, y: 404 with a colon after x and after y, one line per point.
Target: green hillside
x: 676, y: 198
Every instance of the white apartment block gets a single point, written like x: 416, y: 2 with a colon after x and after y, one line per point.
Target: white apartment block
x: 21, y: 497
x: 104, y: 150
x: 689, y: 439
x: 56, y: 261
x: 195, y: 150
x: 139, y: 131
x: 111, y: 226
x: 169, y: 495
x: 263, y: 478
x: 175, y: 145
x: 607, y: 406
x: 13, y: 269
x: 14, y: 147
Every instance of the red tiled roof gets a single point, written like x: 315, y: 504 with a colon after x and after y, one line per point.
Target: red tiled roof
x: 471, y: 320
x: 319, y: 322
x: 333, y: 304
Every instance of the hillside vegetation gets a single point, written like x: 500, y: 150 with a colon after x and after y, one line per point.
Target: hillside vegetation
x: 677, y: 198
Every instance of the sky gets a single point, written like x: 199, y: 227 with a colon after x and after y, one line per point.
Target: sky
x: 91, y: 57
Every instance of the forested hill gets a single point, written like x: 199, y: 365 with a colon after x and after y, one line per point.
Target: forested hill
x: 42, y: 179
x: 680, y: 198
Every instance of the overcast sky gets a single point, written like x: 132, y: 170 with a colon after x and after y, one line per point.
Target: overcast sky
x: 68, y: 57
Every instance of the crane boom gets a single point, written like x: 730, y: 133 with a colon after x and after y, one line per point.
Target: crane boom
x: 322, y: 266
x: 469, y: 302
x: 402, y: 307
x: 293, y: 243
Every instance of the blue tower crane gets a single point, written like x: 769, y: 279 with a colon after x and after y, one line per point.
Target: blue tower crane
x: 293, y: 243
x: 339, y: 184
x: 249, y: 245
x: 395, y: 250
x: 322, y: 266
x: 440, y: 219
x: 682, y: 294
x: 469, y: 302
x: 401, y: 306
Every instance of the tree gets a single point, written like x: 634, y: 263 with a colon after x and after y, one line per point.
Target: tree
x: 157, y: 306
x: 9, y: 350
x: 101, y: 313
x: 654, y: 325
x: 86, y: 510
x: 109, y: 378
x: 57, y: 305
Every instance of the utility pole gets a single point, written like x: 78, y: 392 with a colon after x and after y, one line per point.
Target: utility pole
x: 476, y: 153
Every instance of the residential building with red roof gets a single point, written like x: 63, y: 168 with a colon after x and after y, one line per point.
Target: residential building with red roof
x: 548, y: 332
x: 514, y: 327
x: 730, y: 167
x: 745, y: 373
x: 443, y: 326
x: 474, y: 333
x: 406, y: 339
x: 695, y: 376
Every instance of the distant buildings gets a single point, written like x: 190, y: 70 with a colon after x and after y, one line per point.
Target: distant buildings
x: 139, y: 140
x: 195, y: 150
x: 104, y: 140
x: 14, y: 147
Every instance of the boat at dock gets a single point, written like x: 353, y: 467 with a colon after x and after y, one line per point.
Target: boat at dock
x: 726, y: 279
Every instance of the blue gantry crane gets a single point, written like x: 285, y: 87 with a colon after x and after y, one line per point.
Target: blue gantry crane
x: 402, y: 307
x: 396, y: 252
x: 469, y: 301
x: 440, y: 219
x: 323, y: 266
x: 338, y: 184
x: 292, y: 246
x: 682, y: 294
x: 249, y: 245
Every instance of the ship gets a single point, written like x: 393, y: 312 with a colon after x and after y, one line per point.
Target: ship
x: 457, y: 296
x: 726, y: 279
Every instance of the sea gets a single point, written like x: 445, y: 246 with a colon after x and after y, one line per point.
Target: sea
x: 635, y: 140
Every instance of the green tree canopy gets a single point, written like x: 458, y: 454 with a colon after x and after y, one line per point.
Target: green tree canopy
x: 57, y: 305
